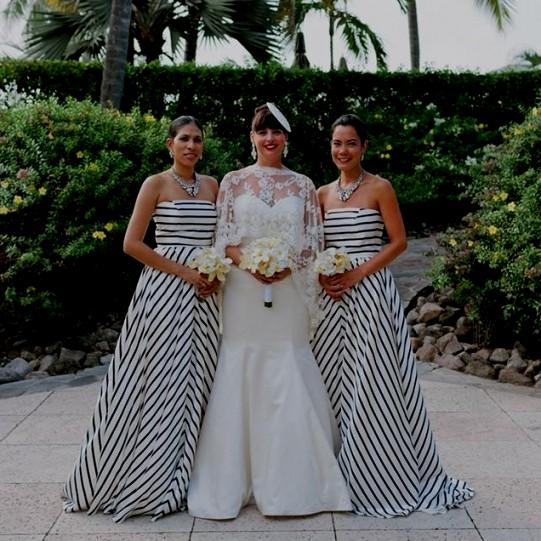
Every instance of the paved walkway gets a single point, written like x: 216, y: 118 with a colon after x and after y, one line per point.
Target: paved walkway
x: 487, y: 432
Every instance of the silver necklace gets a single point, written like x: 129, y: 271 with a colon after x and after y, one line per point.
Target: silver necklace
x: 345, y: 194
x: 192, y: 189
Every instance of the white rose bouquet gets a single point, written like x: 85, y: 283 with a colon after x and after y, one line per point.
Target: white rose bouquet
x: 266, y: 256
x: 332, y: 261
x: 209, y: 262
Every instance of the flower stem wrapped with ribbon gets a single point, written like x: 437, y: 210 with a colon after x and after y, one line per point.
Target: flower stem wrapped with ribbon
x: 266, y: 256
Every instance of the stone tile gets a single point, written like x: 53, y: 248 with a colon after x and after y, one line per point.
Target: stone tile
x: 17, y: 537
x: 80, y: 402
x: 491, y: 459
x: 460, y: 426
x: 449, y: 397
x: 506, y: 503
x: 70, y: 524
x: 263, y: 536
x: 28, y: 508
x: 21, y: 405
x: 516, y: 399
x: 508, y: 535
x: 36, y: 463
x: 119, y: 537
x: 251, y: 520
x: 453, y: 519
x: 8, y: 423
x: 409, y: 535
x: 530, y: 422
x: 56, y: 429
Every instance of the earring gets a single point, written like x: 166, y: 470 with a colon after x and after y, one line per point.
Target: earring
x: 171, y: 155
x: 254, y: 152
x: 286, y: 149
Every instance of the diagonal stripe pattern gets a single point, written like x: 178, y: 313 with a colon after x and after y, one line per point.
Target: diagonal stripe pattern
x: 388, y: 453
x: 138, y: 452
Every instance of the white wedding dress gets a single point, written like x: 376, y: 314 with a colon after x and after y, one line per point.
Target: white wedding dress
x: 269, y: 434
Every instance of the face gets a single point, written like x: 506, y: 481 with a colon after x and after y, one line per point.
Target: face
x: 269, y: 143
x: 187, y: 145
x: 346, y: 148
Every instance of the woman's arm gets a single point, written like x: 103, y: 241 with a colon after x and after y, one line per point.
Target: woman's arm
x: 134, y: 244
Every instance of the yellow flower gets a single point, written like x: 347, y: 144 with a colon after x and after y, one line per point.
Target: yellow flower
x: 93, y: 167
x: 129, y: 119
x: 100, y: 235
x: 452, y: 242
x: 5, y: 184
x: 503, y: 196
x: 50, y: 136
x: 511, y: 206
x: 109, y: 226
x: 18, y: 200
x: 387, y: 155
x: 492, y: 229
x: 470, y: 244
x: 389, y: 147
x: 149, y: 118
x: 4, y: 210
x: 42, y: 190
x: 80, y: 154
x: 481, y: 126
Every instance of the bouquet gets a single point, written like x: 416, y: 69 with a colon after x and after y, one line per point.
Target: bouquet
x: 332, y: 261
x: 267, y: 256
x: 209, y: 262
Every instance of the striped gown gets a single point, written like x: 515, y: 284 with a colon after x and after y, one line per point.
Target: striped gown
x: 388, y: 453
x: 137, y: 455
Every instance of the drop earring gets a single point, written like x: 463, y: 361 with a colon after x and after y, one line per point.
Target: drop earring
x: 254, y: 152
x: 286, y: 149
x: 171, y: 155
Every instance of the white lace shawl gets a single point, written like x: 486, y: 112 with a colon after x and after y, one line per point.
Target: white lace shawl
x: 258, y: 202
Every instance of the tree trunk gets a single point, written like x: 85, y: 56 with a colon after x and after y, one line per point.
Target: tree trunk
x: 114, y: 66
x: 190, y: 51
x: 331, y: 38
x: 413, y: 27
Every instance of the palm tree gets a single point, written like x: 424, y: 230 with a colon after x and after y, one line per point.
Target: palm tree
x: 358, y: 36
x: 500, y: 10
x: 112, y: 82
x: 76, y: 28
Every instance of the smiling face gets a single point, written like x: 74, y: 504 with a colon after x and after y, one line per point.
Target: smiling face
x: 186, y: 145
x: 347, y: 150
x: 269, y: 143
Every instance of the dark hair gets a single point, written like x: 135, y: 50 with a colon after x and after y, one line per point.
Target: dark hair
x: 355, y: 122
x: 263, y: 119
x: 183, y: 121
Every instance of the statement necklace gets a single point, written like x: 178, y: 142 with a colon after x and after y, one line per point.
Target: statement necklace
x: 191, y: 188
x: 345, y: 194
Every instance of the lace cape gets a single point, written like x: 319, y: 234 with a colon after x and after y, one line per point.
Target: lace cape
x: 258, y: 202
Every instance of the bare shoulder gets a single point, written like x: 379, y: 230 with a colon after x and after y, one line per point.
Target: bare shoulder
x: 210, y: 181
x: 380, y: 185
x: 323, y: 191
x: 154, y: 183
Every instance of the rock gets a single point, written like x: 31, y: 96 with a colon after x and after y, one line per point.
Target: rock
x: 35, y: 364
x: 420, y: 301
x: 69, y: 361
x: 429, y: 340
x: 435, y: 330
x: 110, y: 335
x: 538, y: 384
x: 419, y: 330
x: 20, y: 343
x: 534, y: 367
x: 7, y: 375
x: 426, y: 353
x: 412, y: 317
x: 27, y: 355
x: 106, y: 359
x: 53, y: 348
x: 46, y: 362
x: 499, y: 355
x: 518, y: 346
x: 92, y: 359
x: 469, y: 347
x: 450, y: 361
x: 512, y: 375
x: 516, y: 361
x: 416, y: 343
x: 480, y: 369
x: 463, y: 326
x: 103, y: 346
x: 465, y: 357
x: 37, y: 351
x: 449, y: 315
x: 482, y: 355
x: 20, y: 366
x: 429, y: 312
x: 38, y: 374
x: 449, y: 344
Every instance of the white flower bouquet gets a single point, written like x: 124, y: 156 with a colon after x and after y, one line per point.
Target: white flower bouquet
x: 332, y: 261
x: 267, y: 256
x: 210, y: 263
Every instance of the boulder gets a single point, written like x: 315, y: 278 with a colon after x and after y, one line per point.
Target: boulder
x: 512, y: 375
x: 429, y: 312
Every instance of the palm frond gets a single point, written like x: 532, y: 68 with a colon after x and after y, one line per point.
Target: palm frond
x: 501, y: 10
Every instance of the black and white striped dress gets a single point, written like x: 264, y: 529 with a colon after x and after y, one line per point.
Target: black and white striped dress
x: 138, y: 452
x: 388, y: 453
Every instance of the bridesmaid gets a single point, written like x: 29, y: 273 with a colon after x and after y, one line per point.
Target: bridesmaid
x: 388, y: 453
x: 138, y: 452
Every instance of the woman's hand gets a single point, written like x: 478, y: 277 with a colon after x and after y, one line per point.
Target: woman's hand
x: 195, y: 278
x: 335, y: 286
x: 207, y: 291
x: 276, y: 277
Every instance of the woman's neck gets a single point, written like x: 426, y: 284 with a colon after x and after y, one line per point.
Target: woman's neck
x: 187, y: 173
x: 277, y: 164
x: 348, y: 177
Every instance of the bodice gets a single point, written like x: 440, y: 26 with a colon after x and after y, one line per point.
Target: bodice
x: 358, y: 230
x: 185, y: 222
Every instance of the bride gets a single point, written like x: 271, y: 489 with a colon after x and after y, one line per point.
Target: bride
x: 269, y: 434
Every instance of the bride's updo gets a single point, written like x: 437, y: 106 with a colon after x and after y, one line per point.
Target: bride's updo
x: 264, y: 119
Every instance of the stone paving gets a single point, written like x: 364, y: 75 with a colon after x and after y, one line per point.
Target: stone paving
x: 487, y: 432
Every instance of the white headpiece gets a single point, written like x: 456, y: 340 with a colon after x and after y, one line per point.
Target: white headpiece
x: 278, y: 115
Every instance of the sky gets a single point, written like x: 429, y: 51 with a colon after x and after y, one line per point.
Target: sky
x: 454, y: 34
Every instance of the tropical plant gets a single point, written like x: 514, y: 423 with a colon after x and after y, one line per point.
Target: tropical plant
x: 358, y: 36
x: 76, y: 29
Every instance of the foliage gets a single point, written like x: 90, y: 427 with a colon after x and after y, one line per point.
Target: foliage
x: 69, y: 175
x: 494, y: 262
